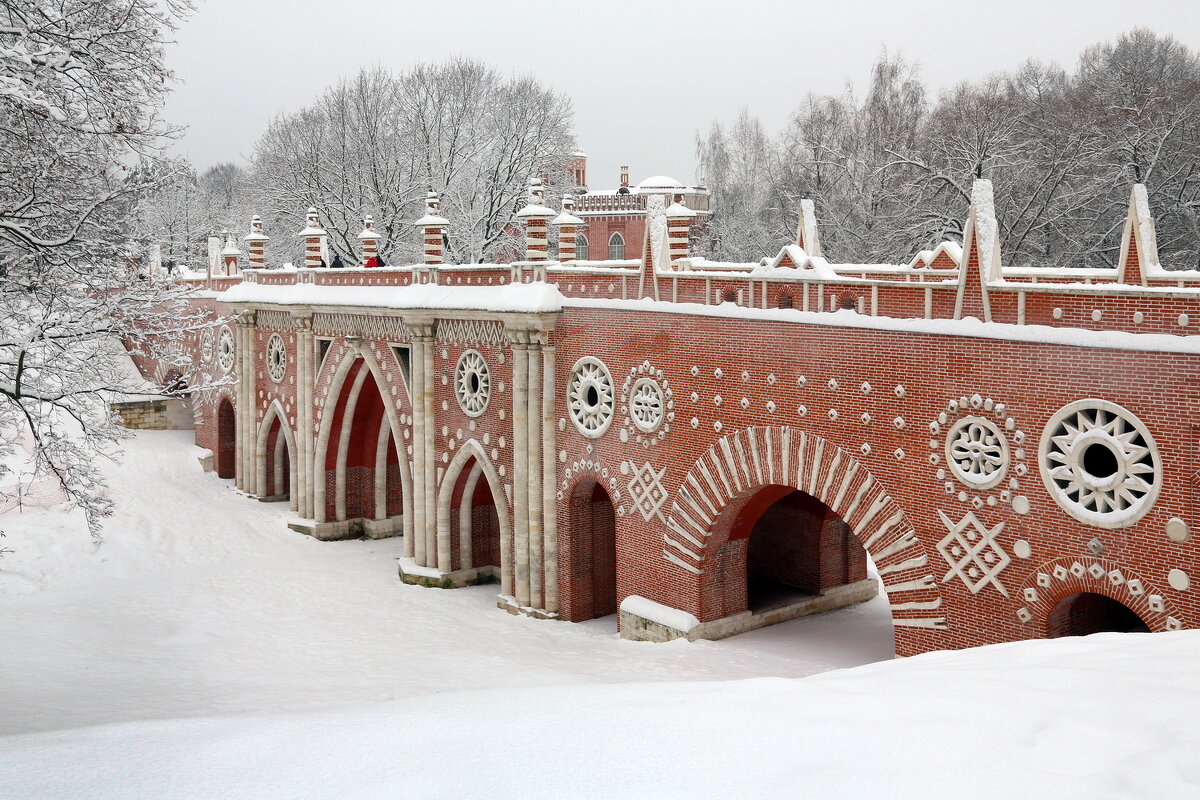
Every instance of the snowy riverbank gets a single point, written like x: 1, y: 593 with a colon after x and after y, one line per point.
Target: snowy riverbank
x: 204, y: 650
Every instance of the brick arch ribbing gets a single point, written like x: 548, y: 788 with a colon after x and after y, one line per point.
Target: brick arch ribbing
x: 1053, y: 581
x: 275, y: 412
x: 337, y: 379
x: 472, y: 449
x: 737, y: 464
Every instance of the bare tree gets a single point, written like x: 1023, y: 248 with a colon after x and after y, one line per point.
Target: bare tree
x: 378, y: 142
x: 891, y: 174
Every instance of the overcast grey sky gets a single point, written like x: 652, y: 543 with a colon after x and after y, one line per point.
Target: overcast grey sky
x: 644, y: 76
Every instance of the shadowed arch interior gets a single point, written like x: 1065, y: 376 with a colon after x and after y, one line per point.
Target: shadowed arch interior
x: 278, y: 464
x: 226, y: 439
x: 590, y: 548
x: 474, y: 520
x: 1085, y: 613
x: 353, y: 446
x: 783, y: 545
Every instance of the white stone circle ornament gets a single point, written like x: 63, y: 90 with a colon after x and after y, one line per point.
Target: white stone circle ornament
x: 590, y: 397
x: 276, y: 357
x: 225, y: 349
x: 472, y: 383
x: 983, y: 450
x: 646, y: 405
x: 977, y: 452
x: 1100, y: 463
x: 208, y: 346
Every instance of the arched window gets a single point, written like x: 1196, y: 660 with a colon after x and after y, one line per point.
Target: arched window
x: 581, y: 247
x: 616, y: 247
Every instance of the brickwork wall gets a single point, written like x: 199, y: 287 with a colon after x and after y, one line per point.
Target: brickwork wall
x: 878, y: 404
x: 874, y: 394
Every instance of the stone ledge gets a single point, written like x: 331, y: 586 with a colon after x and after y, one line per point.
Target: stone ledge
x: 510, y: 605
x: 640, y: 629
x: 349, y: 528
x: 415, y: 575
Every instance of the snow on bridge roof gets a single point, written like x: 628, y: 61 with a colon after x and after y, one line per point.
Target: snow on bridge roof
x: 546, y: 298
x: 513, y: 297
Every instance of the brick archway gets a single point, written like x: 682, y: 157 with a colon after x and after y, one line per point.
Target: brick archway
x: 588, y: 548
x: 226, y: 455
x: 275, y: 451
x: 456, y: 508
x: 357, y: 373
x: 1053, y: 581
x: 738, y: 465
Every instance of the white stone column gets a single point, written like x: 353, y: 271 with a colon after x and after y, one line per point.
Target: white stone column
x: 416, y: 548
x: 520, y: 437
x: 549, y: 480
x: 301, y: 493
x: 246, y: 475
x: 534, y: 483
x: 239, y: 405
x: 429, y: 442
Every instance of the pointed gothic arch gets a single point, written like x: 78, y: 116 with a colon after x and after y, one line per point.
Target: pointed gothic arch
x: 273, y: 463
x: 459, y: 496
x: 616, y: 247
x: 358, y: 369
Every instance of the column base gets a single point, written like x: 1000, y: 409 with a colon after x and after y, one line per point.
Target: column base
x: 509, y: 604
x: 349, y: 528
x: 643, y: 620
x: 429, y: 577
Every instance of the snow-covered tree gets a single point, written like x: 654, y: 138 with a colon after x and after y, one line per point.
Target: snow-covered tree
x: 891, y: 173
x: 377, y: 143
x: 81, y: 85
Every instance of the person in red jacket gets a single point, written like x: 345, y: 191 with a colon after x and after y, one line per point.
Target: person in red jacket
x: 371, y: 262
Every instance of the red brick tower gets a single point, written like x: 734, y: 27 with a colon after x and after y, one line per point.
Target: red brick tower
x: 256, y: 243
x: 370, y: 239
x: 314, y: 241
x: 568, y: 226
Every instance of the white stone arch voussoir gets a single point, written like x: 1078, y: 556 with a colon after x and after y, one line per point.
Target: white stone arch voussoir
x: 738, y: 464
x: 324, y: 431
x: 468, y: 449
x: 275, y: 411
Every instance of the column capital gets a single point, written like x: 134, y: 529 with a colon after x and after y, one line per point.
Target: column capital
x: 420, y: 331
x: 520, y: 338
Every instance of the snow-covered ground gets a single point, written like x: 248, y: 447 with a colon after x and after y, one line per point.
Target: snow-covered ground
x: 204, y: 650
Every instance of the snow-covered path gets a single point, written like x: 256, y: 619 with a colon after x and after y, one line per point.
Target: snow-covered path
x: 201, y: 601
x: 206, y: 651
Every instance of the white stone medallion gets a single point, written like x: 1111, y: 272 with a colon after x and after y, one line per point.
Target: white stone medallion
x: 590, y: 397
x: 225, y: 349
x: 977, y: 452
x: 1100, y: 463
x: 208, y: 346
x: 276, y: 357
x: 977, y: 443
x: 648, y: 404
x: 472, y: 383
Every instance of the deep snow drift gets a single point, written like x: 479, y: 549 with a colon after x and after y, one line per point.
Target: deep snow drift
x: 204, y: 650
